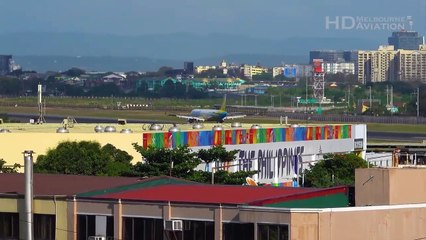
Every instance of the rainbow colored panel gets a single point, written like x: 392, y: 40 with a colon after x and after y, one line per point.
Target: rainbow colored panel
x: 195, y: 138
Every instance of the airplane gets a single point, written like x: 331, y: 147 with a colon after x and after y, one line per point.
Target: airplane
x: 217, y: 115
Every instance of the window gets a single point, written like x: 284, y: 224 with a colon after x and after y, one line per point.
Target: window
x: 142, y: 229
x: 44, y: 227
x: 86, y: 226
x: 272, y: 232
x: 198, y: 230
x: 9, y: 226
x: 236, y: 231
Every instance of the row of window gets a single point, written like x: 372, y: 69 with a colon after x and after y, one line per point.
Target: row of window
x: 44, y: 226
x: 140, y: 229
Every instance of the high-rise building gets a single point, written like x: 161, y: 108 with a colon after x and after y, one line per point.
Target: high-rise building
x: 411, y: 64
x: 188, y: 67
x: 377, y: 66
x: 407, y: 40
x: 388, y: 64
x: 5, y: 64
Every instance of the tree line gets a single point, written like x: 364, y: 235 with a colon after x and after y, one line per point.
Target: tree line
x: 90, y: 158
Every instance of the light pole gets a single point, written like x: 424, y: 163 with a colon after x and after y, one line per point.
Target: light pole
x: 306, y: 96
x: 418, y: 102
x: 371, y: 101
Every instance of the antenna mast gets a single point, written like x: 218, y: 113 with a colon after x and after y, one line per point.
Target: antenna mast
x: 41, y: 107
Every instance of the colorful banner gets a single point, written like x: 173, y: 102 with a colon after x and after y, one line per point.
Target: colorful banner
x: 195, y: 138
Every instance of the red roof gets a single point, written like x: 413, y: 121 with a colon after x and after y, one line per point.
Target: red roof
x: 217, y: 194
x: 59, y: 184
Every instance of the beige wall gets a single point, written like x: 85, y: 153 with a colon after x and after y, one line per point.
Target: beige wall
x: 13, y: 144
x: 51, y: 206
x: 390, y: 223
x: 383, y: 186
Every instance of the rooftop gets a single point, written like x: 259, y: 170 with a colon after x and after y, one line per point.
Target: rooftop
x: 59, y: 184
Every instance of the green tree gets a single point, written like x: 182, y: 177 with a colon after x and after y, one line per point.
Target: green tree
x: 85, y: 158
x: 74, y: 72
x: 178, y: 162
x: 181, y: 162
x: 334, y: 170
x: 8, y: 169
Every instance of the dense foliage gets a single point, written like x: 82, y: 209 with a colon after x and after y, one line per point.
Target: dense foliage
x: 89, y: 158
x: 8, y: 169
x: 85, y: 158
x: 334, y: 170
x: 181, y: 162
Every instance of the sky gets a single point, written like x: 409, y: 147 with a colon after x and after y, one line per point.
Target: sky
x: 273, y: 19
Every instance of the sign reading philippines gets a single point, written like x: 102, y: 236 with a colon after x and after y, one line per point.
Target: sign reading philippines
x: 245, y: 136
x: 271, y: 164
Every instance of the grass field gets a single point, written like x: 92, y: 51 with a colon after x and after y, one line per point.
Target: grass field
x: 104, y: 108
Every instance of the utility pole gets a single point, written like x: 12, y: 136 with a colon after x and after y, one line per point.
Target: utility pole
x: 371, y: 101
x: 418, y: 102
x: 349, y: 97
x: 387, y: 95
x: 391, y: 98
x: 306, y: 96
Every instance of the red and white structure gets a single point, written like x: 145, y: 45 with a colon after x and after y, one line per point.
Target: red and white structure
x: 318, y: 80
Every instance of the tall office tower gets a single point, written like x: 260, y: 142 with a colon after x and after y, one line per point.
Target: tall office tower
x: 407, y: 40
x: 188, y: 67
x: 5, y: 61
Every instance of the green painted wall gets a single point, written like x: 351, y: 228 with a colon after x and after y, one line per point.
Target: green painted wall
x: 143, y: 184
x: 328, y: 201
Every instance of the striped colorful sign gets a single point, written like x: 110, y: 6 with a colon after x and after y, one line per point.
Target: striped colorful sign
x: 245, y: 136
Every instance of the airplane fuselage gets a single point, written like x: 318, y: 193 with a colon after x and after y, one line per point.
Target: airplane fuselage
x: 209, y: 114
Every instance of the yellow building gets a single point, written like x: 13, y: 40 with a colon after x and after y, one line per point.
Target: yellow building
x: 200, y: 69
x: 249, y: 71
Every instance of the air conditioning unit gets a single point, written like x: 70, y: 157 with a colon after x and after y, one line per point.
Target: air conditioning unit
x: 97, y: 238
x: 173, y: 225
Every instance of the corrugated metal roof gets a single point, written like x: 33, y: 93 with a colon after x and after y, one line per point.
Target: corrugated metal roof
x: 211, y: 194
x: 58, y: 184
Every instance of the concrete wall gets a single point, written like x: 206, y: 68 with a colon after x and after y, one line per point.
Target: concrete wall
x: 384, y: 186
x: 51, y: 206
x: 387, y: 222
x: 40, y: 142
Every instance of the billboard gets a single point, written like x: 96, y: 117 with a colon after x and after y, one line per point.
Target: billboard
x: 277, y: 153
x: 290, y: 72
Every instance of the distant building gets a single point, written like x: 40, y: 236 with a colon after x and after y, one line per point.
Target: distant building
x: 388, y: 64
x: 292, y: 70
x: 344, y: 67
x: 377, y: 65
x: 249, y: 71
x: 188, y: 67
x: 200, y: 69
x: 333, y: 56
x: 407, y: 40
x: 411, y: 64
x: 5, y: 64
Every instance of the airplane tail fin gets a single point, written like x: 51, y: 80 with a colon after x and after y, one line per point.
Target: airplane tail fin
x: 223, y: 106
